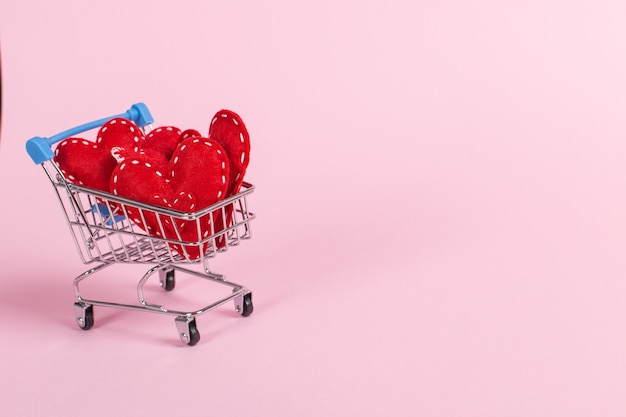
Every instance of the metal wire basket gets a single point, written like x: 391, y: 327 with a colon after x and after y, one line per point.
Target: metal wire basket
x: 109, y: 229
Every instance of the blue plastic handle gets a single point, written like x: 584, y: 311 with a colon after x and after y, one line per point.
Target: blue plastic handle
x: 40, y: 149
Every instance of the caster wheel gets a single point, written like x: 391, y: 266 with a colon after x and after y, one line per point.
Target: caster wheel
x: 243, y: 305
x: 167, y: 279
x: 84, y: 315
x: 187, y: 330
x: 194, y: 334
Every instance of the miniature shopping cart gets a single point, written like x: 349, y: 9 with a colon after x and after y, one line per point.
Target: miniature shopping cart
x: 105, y: 234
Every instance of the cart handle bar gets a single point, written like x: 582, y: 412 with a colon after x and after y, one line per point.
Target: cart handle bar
x: 40, y: 149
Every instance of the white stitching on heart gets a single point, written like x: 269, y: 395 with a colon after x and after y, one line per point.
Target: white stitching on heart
x: 224, y: 115
x: 158, y: 173
x: 104, y: 128
x: 235, y: 121
x: 214, y: 120
x: 241, y: 138
x: 243, y: 155
x: 134, y: 162
x: 123, y: 122
x: 113, y: 121
x: 115, y: 152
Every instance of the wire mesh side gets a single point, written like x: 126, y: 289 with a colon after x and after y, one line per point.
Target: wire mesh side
x: 107, y: 228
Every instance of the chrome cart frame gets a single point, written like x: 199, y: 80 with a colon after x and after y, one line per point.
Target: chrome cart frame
x: 109, y: 229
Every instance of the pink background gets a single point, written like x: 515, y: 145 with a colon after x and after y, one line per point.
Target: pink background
x: 440, y: 197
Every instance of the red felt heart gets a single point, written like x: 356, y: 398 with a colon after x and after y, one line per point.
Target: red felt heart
x: 163, y: 141
x: 228, y: 130
x: 190, y: 133
x: 91, y: 164
x: 195, y: 177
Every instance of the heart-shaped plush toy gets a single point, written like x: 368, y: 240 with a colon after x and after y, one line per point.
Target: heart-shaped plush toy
x: 228, y: 129
x: 195, y: 177
x: 91, y: 164
x: 163, y: 141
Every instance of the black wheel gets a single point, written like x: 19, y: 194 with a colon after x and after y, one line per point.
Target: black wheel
x: 169, y: 281
x: 194, y: 334
x: 247, y: 308
x: 84, y: 316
